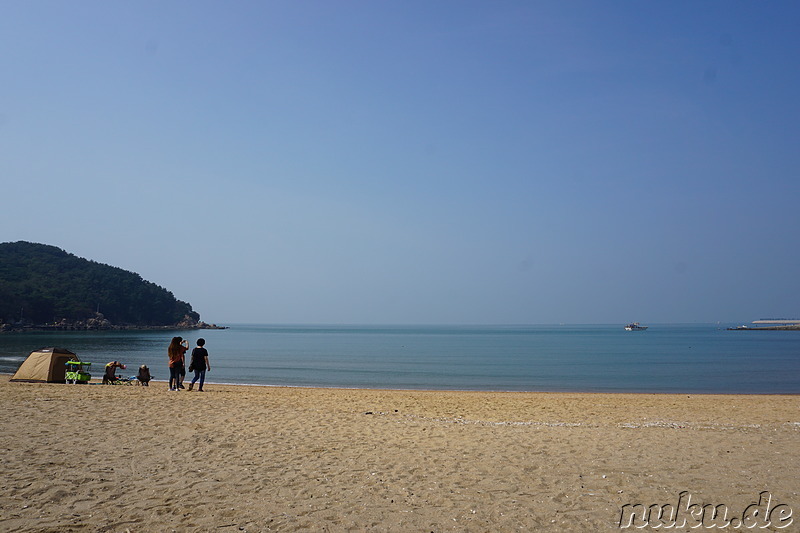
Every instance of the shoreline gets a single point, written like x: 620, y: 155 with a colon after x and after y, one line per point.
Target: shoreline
x: 98, y: 381
x: 262, y: 458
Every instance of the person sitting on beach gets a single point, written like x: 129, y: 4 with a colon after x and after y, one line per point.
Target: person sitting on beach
x: 144, y: 376
x: 110, y: 377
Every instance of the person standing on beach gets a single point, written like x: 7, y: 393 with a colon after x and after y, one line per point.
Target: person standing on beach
x: 199, y: 364
x: 182, y: 368
x: 176, y: 351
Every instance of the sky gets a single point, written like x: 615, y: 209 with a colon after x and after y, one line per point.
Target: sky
x: 414, y: 162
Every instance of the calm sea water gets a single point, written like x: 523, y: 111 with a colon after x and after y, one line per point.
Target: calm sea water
x: 604, y: 358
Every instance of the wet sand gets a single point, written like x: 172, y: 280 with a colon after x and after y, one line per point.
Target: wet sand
x: 234, y: 458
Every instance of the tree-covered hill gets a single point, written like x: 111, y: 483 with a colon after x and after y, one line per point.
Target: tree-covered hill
x: 42, y: 284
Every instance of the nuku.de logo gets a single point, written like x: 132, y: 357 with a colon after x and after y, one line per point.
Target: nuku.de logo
x: 687, y: 514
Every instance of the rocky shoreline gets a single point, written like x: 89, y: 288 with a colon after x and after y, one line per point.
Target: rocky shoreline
x: 100, y: 323
x: 9, y: 328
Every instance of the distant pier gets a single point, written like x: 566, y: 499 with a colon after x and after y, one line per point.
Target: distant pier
x: 771, y: 324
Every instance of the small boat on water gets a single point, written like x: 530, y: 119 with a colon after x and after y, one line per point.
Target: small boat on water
x: 635, y: 326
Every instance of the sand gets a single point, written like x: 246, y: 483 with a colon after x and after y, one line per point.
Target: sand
x: 235, y: 458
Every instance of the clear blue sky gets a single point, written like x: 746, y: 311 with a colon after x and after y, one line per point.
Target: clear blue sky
x: 414, y: 161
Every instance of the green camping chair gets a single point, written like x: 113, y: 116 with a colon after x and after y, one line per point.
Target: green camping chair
x: 76, y: 374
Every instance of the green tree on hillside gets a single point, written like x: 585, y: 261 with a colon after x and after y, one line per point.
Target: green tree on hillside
x: 42, y: 284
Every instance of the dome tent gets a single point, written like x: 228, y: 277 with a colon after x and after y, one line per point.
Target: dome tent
x: 47, y: 365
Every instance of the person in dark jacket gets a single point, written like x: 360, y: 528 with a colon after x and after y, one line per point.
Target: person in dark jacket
x: 199, y: 364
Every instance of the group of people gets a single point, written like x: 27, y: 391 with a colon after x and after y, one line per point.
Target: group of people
x: 110, y: 377
x: 177, y: 366
x: 177, y: 363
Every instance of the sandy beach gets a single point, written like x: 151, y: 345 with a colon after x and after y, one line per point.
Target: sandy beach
x: 235, y: 458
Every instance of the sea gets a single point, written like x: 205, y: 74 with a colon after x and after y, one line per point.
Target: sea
x: 666, y: 358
